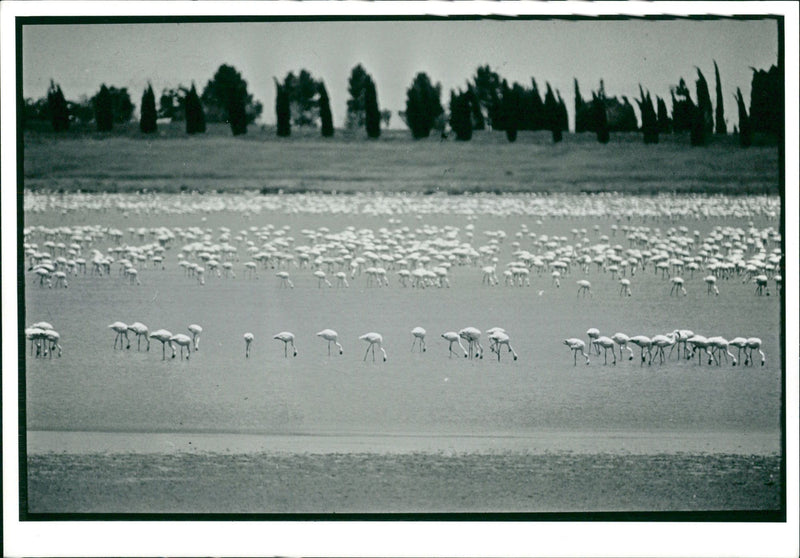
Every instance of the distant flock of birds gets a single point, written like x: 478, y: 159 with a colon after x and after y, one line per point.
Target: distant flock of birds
x: 46, y: 341
x: 686, y: 341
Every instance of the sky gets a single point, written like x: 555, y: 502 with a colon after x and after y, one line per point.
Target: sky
x: 655, y: 54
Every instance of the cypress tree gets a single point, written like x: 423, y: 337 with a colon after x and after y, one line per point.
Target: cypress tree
x: 704, y: 107
x: 563, y: 117
x: 599, y: 118
x: 147, y: 121
x: 584, y: 114
x: 325, y: 112
x: 663, y: 116
x: 649, y: 118
x: 282, y: 110
x: 460, y: 115
x: 237, y: 112
x: 103, y: 115
x: 195, y: 117
x: 537, y: 109
x: 745, y: 128
x: 552, y: 114
x: 719, y: 119
x: 509, y: 111
x: 57, y: 105
x: 372, y: 113
x: 477, y: 121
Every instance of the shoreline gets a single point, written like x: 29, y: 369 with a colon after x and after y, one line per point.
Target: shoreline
x: 538, y: 443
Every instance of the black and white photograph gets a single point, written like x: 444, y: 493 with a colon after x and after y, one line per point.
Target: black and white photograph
x: 401, y: 278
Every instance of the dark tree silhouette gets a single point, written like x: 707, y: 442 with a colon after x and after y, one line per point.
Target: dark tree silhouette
x: 171, y: 103
x: 195, y: 116
x: 745, y: 129
x: 719, y: 115
x: 147, y: 120
x: 226, y: 99
x: 356, y: 88
x: 303, y: 102
x: 649, y: 118
x: 477, y: 120
x: 103, y: 115
x: 584, y: 112
x: 552, y: 114
x: 538, y: 117
x: 510, y: 110
x: 423, y: 106
x: 682, y: 108
x: 704, y: 104
x: 325, y: 112
x: 487, y: 86
x: 598, y: 117
x: 664, y: 125
x: 461, y: 115
x: 766, y: 114
x: 57, y: 108
x: 372, y: 113
x: 283, y: 110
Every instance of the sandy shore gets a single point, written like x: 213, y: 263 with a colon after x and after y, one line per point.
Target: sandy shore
x: 202, y: 473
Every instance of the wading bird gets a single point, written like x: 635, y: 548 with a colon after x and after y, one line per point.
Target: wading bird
x: 287, y: 337
x: 472, y: 335
x: 196, y: 330
x: 606, y: 343
x: 248, y: 339
x: 584, y: 287
x: 644, y: 342
x: 182, y: 341
x: 498, y: 338
x: 141, y: 331
x: 164, y: 336
x: 122, y: 331
x: 755, y: 343
x: 622, y: 340
x: 453, y: 337
x: 419, y: 335
x: 577, y: 346
x: 373, y: 339
x: 331, y: 337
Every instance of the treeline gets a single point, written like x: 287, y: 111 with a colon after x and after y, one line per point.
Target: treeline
x: 487, y: 101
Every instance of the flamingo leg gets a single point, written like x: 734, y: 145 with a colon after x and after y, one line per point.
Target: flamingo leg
x: 365, y: 354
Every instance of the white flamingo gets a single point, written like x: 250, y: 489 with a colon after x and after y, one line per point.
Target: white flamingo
x: 489, y: 333
x: 662, y: 341
x: 284, y: 279
x: 373, y: 339
x: 701, y: 343
x: 453, y: 337
x: 720, y: 345
x: 606, y: 343
x: 584, y: 287
x: 740, y: 343
x: 141, y: 331
x: 681, y: 337
x: 755, y: 343
x: 182, y: 341
x: 472, y: 335
x: 593, y: 333
x: 331, y: 337
x: 501, y: 338
x: 577, y: 345
x: 122, y: 331
x: 677, y: 286
x: 622, y: 340
x: 643, y: 342
x: 419, y: 335
x: 287, y: 337
x: 52, y: 339
x: 195, y: 330
x: 248, y: 339
x: 35, y: 336
x: 711, y: 285
x: 625, y: 287
x: 164, y: 336
x: 320, y: 275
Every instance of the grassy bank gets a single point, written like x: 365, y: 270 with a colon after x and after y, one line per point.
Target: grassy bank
x: 126, y: 161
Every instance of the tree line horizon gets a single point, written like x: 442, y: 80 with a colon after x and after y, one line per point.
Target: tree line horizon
x: 486, y: 102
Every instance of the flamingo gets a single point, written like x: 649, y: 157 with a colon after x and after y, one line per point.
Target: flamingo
x: 720, y: 344
x: 320, y: 275
x: 625, y: 287
x: 164, y: 336
x: 287, y: 337
x: 501, y: 338
x: 755, y: 343
x: 453, y: 337
x: 682, y: 336
x: 740, y: 343
x: 577, y: 345
x: 711, y: 283
x: 35, y: 335
x: 373, y: 339
x: 622, y: 340
x: 141, y: 331
x: 472, y: 335
x: 122, y: 331
x: 677, y: 286
x: 699, y: 342
x: 607, y: 343
x: 196, y: 330
x: 183, y: 341
x: 419, y: 334
x: 52, y: 338
x: 761, y: 284
x: 284, y: 279
x: 644, y: 342
x: 341, y: 279
x: 331, y: 337
x: 248, y: 338
x: 593, y: 333
x: 489, y: 333
x: 584, y: 287
x: 661, y: 341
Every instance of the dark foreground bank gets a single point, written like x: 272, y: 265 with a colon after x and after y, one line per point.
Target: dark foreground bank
x: 400, y: 483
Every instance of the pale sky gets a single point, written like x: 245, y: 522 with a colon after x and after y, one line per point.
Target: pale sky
x: 623, y: 53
